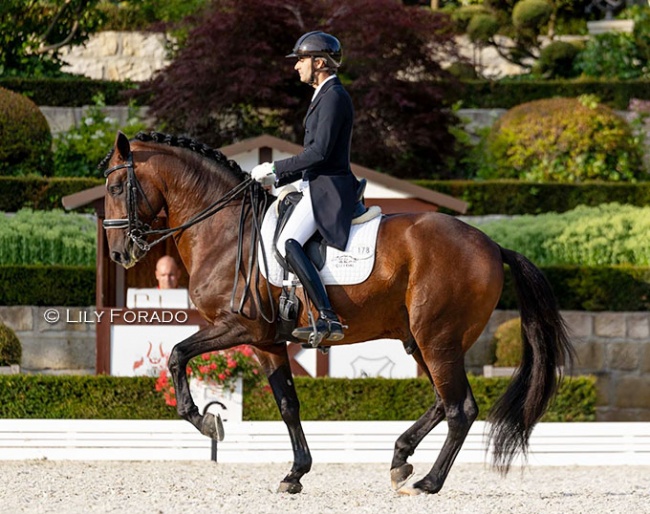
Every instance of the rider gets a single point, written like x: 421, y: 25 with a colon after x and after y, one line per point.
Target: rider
x: 328, y: 185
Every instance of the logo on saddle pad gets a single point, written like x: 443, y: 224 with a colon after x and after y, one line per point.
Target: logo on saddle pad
x: 351, y: 266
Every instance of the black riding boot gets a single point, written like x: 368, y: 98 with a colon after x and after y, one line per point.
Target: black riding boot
x: 328, y: 327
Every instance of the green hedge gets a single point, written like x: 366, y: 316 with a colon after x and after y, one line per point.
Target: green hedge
x: 484, y: 197
x: 81, y: 397
x: 382, y: 399
x: 47, y: 285
x: 504, y: 94
x: 621, y: 289
x: 75, y: 92
x: 47, y: 238
x: 610, y: 234
x: 68, y: 92
x: 40, y: 193
x: 616, y: 288
x: 102, y: 397
x: 511, y: 197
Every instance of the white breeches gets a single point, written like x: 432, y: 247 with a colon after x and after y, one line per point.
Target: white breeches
x: 301, y: 224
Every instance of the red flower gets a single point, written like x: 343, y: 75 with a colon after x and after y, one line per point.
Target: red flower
x: 220, y: 368
x: 245, y: 350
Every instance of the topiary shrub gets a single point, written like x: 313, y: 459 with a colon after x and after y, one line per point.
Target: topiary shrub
x: 562, y: 140
x: 507, y: 345
x: 463, y: 70
x: 25, y: 138
x: 531, y: 14
x: 482, y: 28
x: 462, y: 16
x: 556, y: 60
x: 11, y: 350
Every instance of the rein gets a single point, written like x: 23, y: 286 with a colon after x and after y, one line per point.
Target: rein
x: 137, y: 230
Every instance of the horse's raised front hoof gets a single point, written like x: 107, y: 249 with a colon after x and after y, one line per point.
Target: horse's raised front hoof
x: 212, y: 426
x: 290, y: 487
x: 399, y: 476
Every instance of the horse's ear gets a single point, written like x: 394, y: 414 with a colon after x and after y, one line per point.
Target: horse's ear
x: 122, y: 145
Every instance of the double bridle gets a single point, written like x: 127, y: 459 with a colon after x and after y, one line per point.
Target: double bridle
x: 138, y: 231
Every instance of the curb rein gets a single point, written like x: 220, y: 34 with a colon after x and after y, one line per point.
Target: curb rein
x: 137, y: 230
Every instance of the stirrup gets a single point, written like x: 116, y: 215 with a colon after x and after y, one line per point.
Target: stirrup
x: 319, y: 330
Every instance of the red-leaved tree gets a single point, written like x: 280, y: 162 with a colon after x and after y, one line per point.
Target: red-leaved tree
x: 231, y: 80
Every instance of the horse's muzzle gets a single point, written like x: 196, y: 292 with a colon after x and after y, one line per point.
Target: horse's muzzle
x: 126, y: 258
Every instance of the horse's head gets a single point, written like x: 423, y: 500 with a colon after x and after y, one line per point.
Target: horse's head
x: 131, y: 203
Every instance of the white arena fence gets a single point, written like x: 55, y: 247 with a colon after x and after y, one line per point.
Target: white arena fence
x: 589, y: 444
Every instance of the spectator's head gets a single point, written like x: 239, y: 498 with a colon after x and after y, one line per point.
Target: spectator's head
x: 167, y: 273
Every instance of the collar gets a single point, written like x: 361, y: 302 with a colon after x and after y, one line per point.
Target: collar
x: 321, y: 85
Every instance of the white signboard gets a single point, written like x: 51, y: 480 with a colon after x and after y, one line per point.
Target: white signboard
x: 143, y: 350
x: 157, y: 298
x: 381, y: 358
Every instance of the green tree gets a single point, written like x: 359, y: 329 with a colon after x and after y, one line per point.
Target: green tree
x: 231, y: 80
x: 78, y: 150
x: 525, y: 23
x: 176, y: 17
x: 618, y: 55
x: 33, y: 31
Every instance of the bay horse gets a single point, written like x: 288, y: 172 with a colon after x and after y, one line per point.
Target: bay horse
x: 436, y: 281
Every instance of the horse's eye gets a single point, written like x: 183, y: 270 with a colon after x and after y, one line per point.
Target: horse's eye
x: 116, y: 189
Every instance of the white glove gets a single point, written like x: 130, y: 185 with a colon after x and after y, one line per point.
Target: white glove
x: 264, y: 173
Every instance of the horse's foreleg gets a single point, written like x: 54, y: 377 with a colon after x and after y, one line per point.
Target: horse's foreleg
x: 276, y: 365
x: 400, y: 469
x: 212, y: 338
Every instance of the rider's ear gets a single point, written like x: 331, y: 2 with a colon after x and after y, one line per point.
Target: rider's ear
x: 122, y: 146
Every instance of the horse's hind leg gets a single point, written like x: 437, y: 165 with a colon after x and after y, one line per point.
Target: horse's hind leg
x: 460, y: 410
x: 400, y: 469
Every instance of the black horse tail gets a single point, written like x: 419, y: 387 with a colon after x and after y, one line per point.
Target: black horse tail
x: 546, y: 347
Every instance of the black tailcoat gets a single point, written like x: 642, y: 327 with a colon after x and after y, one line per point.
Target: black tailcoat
x: 325, y: 163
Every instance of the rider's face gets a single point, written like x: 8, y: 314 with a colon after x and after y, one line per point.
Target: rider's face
x: 304, y: 68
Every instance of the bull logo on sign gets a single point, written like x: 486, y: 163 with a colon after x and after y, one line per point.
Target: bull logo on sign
x: 152, y: 363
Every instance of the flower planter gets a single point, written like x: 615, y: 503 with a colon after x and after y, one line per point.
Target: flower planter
x: 602, y: 26
x: 14, y: 369
x: 203, y: 392
x: 495, y: 371
x: 490, y: 371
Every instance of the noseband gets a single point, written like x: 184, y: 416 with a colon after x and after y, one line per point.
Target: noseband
x: 135, y: 228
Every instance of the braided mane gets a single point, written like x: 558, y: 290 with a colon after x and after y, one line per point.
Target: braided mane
x: 183, y: 142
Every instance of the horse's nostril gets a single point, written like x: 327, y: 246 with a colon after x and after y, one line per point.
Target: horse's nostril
x: 116, y: 256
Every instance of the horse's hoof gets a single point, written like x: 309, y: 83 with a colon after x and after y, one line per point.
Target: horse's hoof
x: 212, y: 426
x: 290, y: 487
x: 399, y: 476
x: 409, y: 490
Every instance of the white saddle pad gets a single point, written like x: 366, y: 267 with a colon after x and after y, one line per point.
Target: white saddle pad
x: 352, y: 266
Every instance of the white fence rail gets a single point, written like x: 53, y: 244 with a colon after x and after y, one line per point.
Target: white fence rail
x: 329, y: 441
